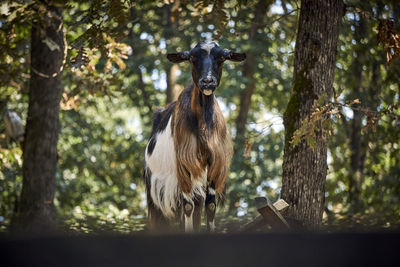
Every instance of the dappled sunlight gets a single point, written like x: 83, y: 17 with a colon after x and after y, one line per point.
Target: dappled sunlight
x: 115, y: 75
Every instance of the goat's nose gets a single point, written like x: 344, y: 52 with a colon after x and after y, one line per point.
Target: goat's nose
x: 207, y: 80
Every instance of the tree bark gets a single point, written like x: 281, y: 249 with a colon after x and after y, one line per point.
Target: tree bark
x: 36, y: 209
x: 304, y: 167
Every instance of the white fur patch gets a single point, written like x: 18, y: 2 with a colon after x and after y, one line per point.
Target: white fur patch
x: 163, y: 172
x: 164, y: 182
x: 207, y: 47
x: 211, y: 191
x: 189, y: 222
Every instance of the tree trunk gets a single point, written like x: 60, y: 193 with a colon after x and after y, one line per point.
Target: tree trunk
x: 248, y: 72
x: 355, y: 136
x: 173, y: 89
x: 367, y: 91
x: 356, y: 139
x: 304, y: 167
x: 171, y: 13
x: 259, y: 12
x: 357, y: 159
x: 36, y: 210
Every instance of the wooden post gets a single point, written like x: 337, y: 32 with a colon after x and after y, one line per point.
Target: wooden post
x: 270, y: 214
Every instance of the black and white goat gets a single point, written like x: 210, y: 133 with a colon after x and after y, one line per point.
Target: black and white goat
x: 189, y: 151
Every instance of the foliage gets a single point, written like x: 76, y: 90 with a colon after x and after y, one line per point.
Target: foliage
x: 115, y: 77
x: 389, y: 39
x: 362, y: 184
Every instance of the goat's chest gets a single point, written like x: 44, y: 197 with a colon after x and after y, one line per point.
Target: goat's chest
x: 203, y: 146
x: 164, y: 149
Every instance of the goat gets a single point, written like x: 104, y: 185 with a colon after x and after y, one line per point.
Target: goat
x: 189, y: 150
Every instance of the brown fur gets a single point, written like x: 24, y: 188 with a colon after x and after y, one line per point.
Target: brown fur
x: 212, y: 147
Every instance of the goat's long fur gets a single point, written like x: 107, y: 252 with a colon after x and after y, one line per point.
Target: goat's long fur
x: 189, y: 149
x: 201, y: 140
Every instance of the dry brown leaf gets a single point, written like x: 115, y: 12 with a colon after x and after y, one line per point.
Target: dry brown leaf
x: 389, y: 39
x: 247, y: 148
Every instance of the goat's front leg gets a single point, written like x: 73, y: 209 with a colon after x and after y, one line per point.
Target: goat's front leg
x: 198, y: 208
x: 188, y: 209
x: 211, y: 207
x: 192, y: 214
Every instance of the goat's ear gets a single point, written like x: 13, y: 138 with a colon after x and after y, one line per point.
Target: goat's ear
x: 178, y: 57
x: 229, y: 55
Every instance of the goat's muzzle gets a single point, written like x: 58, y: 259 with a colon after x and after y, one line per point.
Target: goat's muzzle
x: 208, y: 85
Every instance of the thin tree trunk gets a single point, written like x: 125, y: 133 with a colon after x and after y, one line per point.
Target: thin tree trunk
x: 248, y: 72
x: 260, y: 10
x: 142, y: 88
x: 356, y: 162
x: 173, y: 89
x: 304, y: 167
x: 170, y: 31
x: 36, y: 210
x: 357, y: 140
x: 133, y: 42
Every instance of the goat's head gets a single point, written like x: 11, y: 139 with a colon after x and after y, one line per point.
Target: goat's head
x: 207, y: 60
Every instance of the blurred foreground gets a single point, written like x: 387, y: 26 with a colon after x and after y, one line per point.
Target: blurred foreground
x: 274, y: 249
